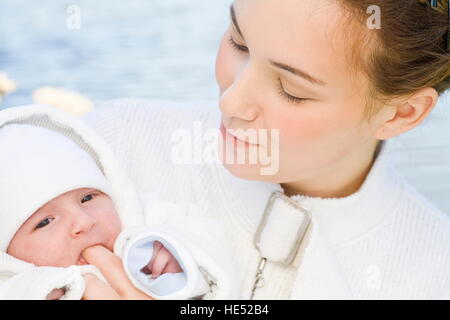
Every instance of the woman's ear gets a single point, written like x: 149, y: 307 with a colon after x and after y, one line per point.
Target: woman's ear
x: 407, y: 114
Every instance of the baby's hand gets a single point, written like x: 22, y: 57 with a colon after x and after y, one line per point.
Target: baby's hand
x: 162, y: 262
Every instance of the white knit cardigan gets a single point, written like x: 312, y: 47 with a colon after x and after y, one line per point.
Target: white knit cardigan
x: 385, y: 241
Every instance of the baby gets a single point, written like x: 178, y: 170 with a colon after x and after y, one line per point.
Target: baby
x: 62, y: 191
x: 58, y: 232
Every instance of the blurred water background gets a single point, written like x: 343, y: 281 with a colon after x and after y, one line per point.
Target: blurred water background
x: 163, y: 49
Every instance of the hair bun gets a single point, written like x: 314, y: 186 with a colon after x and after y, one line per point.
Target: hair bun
x: 444, y: 6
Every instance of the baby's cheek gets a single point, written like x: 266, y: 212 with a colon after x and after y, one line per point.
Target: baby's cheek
x: 52, y: 253
x: 111, y: 228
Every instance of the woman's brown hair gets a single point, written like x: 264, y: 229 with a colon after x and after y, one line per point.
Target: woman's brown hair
x: 407, y: 53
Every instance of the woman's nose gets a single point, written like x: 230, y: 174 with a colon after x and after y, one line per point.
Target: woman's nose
x: 82, y: 222
x: 238, y: 100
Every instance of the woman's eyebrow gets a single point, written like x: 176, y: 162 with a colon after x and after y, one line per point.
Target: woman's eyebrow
x: 235, y: 22
x: 299, y: 73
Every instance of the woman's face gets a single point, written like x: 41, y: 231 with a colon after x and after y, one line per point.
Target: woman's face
x: 282, y: 65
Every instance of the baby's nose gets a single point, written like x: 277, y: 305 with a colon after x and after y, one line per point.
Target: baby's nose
x: 82, y: 223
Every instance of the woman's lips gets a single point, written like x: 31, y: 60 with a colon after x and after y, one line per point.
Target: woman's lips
x: 226, y: 134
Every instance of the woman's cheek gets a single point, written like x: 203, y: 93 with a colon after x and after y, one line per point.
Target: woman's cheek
x: 294, y: 131
x: 307, y: 126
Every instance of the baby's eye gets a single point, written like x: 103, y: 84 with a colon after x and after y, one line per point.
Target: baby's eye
x: 44, y: 223
x: 87, y: 198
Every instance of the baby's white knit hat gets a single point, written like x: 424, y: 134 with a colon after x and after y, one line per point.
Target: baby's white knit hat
x: 36, y: 166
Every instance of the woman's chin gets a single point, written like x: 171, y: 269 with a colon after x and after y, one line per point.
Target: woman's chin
x: 249, y: 172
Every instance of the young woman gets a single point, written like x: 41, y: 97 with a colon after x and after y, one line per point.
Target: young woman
x: 337, y: 79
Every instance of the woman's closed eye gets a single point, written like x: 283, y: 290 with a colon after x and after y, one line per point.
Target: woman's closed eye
x: 44, y: 223
x: 236, y: 46
x: 290, y: 98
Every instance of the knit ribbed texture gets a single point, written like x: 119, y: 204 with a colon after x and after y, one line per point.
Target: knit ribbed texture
x: 389, y: 242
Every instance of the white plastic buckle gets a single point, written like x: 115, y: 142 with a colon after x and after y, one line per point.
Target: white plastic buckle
x: 305, y: 217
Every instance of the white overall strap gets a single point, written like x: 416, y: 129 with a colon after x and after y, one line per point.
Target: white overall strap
x: 288, y: 235
x: 283, y: 230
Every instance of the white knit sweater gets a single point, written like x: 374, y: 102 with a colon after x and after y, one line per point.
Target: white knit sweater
x: 386, y: 240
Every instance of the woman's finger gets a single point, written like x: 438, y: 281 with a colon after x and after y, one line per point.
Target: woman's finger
x: 97, y: 289
x: 110, y: 266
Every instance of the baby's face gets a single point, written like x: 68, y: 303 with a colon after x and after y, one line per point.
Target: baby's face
x: 57, y: 234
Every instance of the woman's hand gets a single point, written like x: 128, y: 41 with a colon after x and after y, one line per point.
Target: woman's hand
x: 119, y: 287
